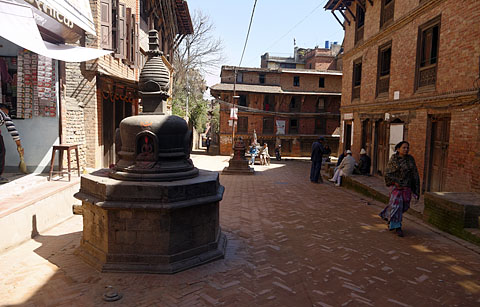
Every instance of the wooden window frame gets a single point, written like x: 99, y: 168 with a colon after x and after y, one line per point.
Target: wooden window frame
x: 383, y: 77
x: 261, y: 78
x: 320, y: 125
x: 317, y: 105
x: 387, y: 13
x: 426, y: 75
x: 106, y: 24
x: 242, y: 124
x: 270, y: 128
x: 296, y: 80
x: 241, y: 99
x: 356, y: 88
x: 292, y: 130
x: 296, y: 106
x: 321, y: 82
x: 360, y: 22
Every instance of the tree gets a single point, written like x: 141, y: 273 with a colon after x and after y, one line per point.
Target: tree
x: 195, y: 56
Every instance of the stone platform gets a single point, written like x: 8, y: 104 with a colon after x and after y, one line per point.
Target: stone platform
x: 150, y: 227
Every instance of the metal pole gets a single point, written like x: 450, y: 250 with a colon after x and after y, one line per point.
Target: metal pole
x: 186, y: 76
x: 233, y: 104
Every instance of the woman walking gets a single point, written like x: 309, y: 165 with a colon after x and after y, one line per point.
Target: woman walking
x: 402, y: 178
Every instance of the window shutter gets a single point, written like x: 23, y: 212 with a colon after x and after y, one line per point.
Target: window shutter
x: 136, y: 48
x: 121, y: 33
x: 106, y: 24
x: 128, y: 36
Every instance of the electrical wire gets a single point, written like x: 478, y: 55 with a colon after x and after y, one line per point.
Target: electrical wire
x: 248, y: 33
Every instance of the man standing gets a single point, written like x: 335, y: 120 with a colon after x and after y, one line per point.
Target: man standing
x: 7, y: 121
x: 207, y: 143
x: 316, y: 157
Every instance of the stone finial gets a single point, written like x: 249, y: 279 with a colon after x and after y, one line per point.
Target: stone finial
x: 154, y: 79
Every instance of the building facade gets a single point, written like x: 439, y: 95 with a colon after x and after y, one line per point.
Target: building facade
x: 287, y: 107
x: 100, y: 93
x: 411, y: 72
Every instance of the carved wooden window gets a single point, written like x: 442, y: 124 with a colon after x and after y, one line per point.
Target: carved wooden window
x: 383, y: 69
x: 427, y: 54
x: 360, y: 21
x: 387, y: 12
x: 356, y: 78
x: 268, y: 125
x: 242, y: 125
x: 320, y: 105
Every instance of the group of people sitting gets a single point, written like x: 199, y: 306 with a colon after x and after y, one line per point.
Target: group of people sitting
x: 262, y: 151
x: 347, y: 166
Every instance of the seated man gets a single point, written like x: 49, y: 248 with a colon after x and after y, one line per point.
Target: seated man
x: 363, y: 167
x: 344, y: 169
x: 264, y: 156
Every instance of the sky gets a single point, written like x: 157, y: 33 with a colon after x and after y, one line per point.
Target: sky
x: 276, y: 23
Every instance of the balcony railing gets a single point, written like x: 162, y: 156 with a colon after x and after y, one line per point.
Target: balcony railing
x: 427, y: 75
x: 383, y: 84
x: 356, y: 92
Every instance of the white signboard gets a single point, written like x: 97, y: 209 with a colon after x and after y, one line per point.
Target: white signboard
x: 233, y: 113
x: 280, y: 127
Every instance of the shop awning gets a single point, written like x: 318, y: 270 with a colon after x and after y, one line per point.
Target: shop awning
x: 18, y: 25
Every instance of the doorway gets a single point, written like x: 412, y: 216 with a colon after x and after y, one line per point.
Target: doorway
x: 380, y: 148
x: 348, y: 136
x: 113, y: 113
x: 439, y: 142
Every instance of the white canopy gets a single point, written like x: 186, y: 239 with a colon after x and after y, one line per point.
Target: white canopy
x: 18, y: 25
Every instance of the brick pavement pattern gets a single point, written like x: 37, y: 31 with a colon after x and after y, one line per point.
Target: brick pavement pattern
x: 291, y: 243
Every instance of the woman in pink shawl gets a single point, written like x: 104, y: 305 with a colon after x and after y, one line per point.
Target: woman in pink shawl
x: 402, y: 178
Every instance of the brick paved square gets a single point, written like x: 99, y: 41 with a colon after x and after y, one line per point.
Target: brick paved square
x: 291, y: 243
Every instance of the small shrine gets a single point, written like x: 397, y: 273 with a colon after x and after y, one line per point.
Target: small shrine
x: 155, y: 212
x: 238, y: 164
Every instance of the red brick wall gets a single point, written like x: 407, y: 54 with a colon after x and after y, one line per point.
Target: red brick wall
x: 457, y: 70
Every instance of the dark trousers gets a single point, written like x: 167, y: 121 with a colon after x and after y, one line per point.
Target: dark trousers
x: 315, y: 171
x: 2, y: 155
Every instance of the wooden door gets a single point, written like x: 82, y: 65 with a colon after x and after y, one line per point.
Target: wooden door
x: 381, y: 148
x: 108, y: 132
x: 367, y: 136
x: 440, y: 134
x: 348, y: 136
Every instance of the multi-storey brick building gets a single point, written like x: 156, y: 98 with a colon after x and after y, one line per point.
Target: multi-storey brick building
x: 288, y: 107
x: 100, y: 93
x: 411, y: 72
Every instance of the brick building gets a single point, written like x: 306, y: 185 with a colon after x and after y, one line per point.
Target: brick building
x: 100, y: 93
x: 411, y: 72
x: 288, y: 107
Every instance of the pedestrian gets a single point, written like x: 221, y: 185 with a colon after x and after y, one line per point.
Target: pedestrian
x: 344, y: 169
x: 316, y: 157
x: 363, y: 167
x: 253, y: 153
x: 207, y: 143
x: 402, y: 177
x: 7, y: 121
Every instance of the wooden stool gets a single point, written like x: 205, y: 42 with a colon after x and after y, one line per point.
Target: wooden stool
x: 61, y: 148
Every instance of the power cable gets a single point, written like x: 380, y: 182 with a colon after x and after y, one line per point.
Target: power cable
x: 248, y: 33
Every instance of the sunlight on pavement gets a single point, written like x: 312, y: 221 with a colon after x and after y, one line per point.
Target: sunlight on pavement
x: 263, y: 168
x: 374, y: 227
x: 442, y: 258
x: 422, y: 248
x: 459, y: 270
x: 470, y: 286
